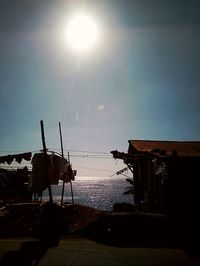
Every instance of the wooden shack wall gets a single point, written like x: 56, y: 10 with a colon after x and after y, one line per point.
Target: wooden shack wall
x: 179, y: 194
x: 147, y: 186
x: 182, y: 188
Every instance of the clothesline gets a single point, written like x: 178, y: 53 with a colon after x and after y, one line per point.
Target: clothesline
x: 17, y: 157
x: 27, y: 156
x: 57, y: 167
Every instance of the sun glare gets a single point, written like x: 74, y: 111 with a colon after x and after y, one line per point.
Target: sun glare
x: 82, y: 32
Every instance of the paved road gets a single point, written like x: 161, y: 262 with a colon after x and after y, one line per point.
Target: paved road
x: 79, y: 251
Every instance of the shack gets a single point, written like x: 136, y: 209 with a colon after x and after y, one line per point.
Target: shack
x: 165, y: 175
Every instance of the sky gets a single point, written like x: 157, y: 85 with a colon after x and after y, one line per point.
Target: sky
x: 141, y: 80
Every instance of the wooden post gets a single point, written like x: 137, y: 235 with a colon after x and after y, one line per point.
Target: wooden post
x: 61, y: 143
x: 45, y: 163
x: 71, y: 184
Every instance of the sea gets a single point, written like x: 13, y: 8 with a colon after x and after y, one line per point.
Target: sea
x: 96, y: 192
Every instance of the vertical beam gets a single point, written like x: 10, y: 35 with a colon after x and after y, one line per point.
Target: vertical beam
x: 46, y: 163
x: 71, y: 184
x: 62, y: 153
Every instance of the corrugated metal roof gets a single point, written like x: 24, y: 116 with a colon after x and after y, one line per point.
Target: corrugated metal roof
x: 182, y: 148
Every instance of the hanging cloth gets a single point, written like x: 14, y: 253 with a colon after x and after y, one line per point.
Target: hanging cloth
x: 38, y: 181
x: 18, y: 157
x: 39, y: 174
x: 56, y: 169
x: 68, y: 174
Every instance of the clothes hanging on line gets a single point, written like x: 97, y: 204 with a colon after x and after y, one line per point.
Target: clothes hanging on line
x: 17, y: 157
x: 62, y: 169
x: 49, y: 169
x: 44, y: 172
x: 58, y: 167
x: 38, y: 181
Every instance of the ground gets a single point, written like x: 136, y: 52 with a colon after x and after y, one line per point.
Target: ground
x: 88, y: 237
x: 74, y: 251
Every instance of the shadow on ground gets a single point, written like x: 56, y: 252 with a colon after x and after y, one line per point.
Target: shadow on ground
x: 48, y: 234
x: 144, y: 230
x: 30, y: 253
x: 122, y: 229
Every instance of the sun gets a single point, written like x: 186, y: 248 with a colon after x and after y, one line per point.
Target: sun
x: 82, y: 32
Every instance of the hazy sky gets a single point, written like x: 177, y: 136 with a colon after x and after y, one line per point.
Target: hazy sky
x: 140, y: 81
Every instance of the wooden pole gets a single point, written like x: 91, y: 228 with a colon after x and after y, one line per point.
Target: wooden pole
x: 61, y: 143
x: 71, y: 184
x: 45, y: 163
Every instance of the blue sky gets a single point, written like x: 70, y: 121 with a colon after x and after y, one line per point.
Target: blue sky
x: 144, y: 71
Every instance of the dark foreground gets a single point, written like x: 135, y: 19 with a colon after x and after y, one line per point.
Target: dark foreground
x: 78, y: 235
x: 80, y: 251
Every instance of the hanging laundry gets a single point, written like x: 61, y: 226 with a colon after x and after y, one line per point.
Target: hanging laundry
x: 64, y: 168
x: 27, y: 156
x: 69, y: 174
x: 61, y: 169
x: 2, y: 159
x: 56, y: 169
x: 18, y: 157
x: 72, y: 173
x: 7, y: 159
x: 38, y: 181
x: 40, y: 175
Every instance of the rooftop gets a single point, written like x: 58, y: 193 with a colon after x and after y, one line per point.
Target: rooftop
x: 181, y: 148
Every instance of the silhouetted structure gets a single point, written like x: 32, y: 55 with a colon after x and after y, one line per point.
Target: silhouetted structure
x: 166, y: 180
x: 165, y: 173
x: 14, y: 185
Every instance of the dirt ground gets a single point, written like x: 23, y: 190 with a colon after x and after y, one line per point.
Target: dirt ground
x: 73, y: 251
x: 88, y: 237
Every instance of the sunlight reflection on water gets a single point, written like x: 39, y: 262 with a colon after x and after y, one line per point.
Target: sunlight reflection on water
x: 99, y: 193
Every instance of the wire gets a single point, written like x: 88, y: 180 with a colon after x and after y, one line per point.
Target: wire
x: 82, y: 151
x: 89, y: 157
x: 17, y: 151
x: 88, y: 168
x: 100, y: 153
